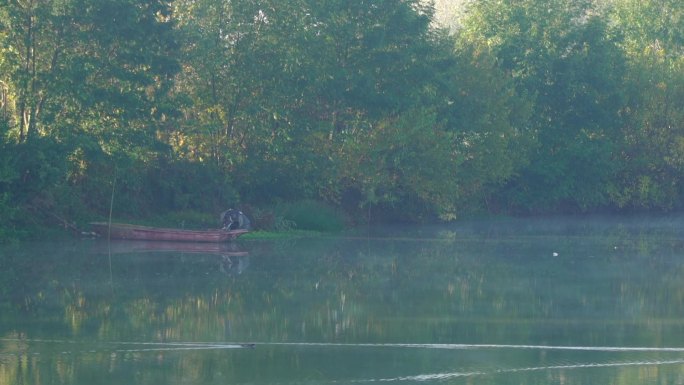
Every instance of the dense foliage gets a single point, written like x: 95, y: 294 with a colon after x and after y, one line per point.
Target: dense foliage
x: 169, y: 105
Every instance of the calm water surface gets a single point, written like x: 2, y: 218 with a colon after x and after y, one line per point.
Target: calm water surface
x: 566, y: 301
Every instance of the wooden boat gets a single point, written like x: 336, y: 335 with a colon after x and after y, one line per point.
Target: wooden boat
x: 145, y: 233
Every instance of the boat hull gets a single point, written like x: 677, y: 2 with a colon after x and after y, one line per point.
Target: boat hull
x: 145, y: 233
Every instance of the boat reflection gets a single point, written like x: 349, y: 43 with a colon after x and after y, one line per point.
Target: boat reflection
x: 232, y: 259
x: 120, y: 247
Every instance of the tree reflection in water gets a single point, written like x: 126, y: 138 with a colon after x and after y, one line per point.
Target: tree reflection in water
x: 72, y: 313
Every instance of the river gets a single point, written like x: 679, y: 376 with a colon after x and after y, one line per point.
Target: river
x: 527, y: 301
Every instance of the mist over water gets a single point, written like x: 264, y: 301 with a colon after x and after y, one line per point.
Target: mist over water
x: 511, y: 301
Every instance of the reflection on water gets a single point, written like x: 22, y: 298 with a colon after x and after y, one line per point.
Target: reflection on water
x: 234, y: 260
x: 570, y: 301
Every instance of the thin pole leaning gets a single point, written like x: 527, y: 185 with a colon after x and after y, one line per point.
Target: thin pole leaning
x: 109, y: 228
x: 111, y: 206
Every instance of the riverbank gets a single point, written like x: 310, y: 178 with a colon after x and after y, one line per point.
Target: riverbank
x: 301, y: 219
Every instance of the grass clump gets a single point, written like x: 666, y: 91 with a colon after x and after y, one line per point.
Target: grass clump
x: 311, y: 215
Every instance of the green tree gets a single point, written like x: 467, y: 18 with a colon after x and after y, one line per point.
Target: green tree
x: 562, y: 55
x: 489, y: 121
x: 84, y: 86
x: 241, y: 78
x: 282, y: 89
x: 653, y: 156
x: 86, y: 64
x: 303, y: 99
